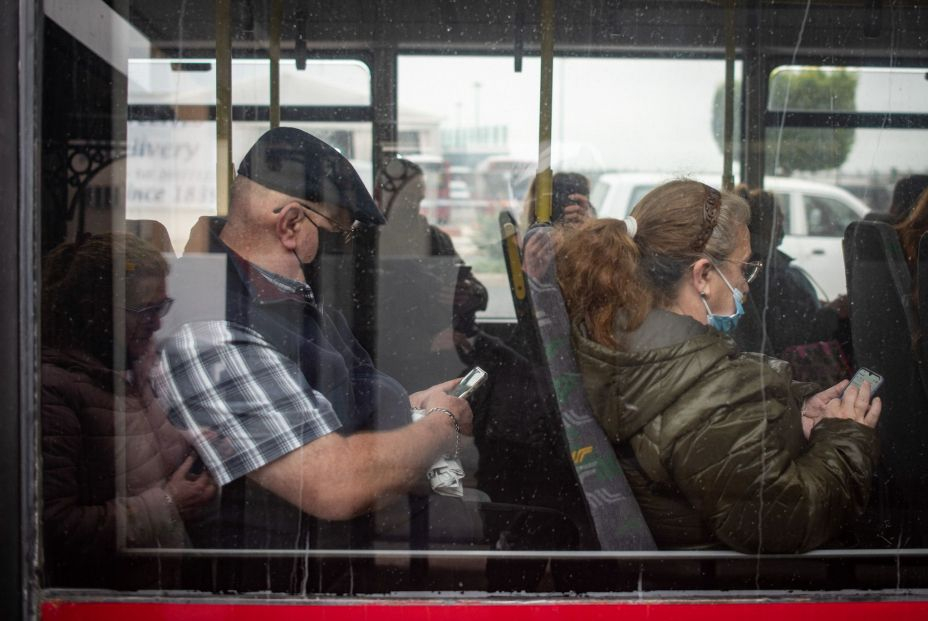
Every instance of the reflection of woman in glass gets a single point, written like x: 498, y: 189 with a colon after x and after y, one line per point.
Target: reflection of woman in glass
x: 721, y: 449
x: 116, y: 472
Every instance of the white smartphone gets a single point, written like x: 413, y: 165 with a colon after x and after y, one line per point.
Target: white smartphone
x: 473, y: 380
x: 866, y: 375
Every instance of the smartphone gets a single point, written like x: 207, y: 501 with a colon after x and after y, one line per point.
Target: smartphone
x: 471, y: 382
x: 564, y: 185
x: 866, y: 375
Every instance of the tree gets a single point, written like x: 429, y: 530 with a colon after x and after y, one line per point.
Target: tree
x: 799, y: 148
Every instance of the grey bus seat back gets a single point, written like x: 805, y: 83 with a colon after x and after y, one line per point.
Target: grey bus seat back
x: 615, y: 514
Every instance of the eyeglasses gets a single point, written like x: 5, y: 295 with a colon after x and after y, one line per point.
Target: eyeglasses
x: 347, y: 234
x: 160, y: 309
x: 750, y: 270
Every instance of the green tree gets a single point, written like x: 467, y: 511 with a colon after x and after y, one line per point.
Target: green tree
x: 799, y: 148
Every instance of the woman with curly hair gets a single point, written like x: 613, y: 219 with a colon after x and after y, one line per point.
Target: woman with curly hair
x: 721, y: 449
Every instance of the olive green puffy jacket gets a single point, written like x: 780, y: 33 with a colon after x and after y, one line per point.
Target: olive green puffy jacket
x: 712, y: 441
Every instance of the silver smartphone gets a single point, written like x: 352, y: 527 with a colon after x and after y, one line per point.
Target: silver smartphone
x: 470, y: 382
x: 866, y: 375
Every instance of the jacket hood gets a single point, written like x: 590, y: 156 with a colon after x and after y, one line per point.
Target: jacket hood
x: 662, y: 359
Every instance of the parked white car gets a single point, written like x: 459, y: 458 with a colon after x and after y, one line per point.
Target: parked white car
x: 815, y: 216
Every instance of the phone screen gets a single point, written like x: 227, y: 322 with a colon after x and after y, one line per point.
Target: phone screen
x: 470, y: 383
x: 866, y: 375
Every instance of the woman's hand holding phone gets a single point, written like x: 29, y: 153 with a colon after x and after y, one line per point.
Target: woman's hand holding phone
x: 855, y: 404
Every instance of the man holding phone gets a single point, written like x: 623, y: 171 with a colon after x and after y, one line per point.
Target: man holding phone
x: 278, y: 396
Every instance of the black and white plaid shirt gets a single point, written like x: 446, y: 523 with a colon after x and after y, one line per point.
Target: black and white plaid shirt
x: 244, y: 403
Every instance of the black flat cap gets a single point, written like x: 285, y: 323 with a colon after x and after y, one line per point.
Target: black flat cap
x: 290, y: 161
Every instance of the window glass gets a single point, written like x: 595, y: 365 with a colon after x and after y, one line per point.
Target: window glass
x: 492, y: 139
x: 848, y: 89
x: 827, y: 217
x: 192, y: 81
x: 170, y: 166
x: 783, y: 204
x: 250, y: 395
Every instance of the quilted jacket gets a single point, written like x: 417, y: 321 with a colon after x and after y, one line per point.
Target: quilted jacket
x: 712, y: 441
x: 105, y: 459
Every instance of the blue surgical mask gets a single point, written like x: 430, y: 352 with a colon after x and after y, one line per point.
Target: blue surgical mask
x: 725, y: 323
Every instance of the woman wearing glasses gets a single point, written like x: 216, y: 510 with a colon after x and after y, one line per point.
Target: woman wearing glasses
x: 116, y: 472
x: 722, y: 449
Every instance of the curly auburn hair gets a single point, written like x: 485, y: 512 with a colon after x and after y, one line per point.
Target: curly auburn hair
x: 596, y: 270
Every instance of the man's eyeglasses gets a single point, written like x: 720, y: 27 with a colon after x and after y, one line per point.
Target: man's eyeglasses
x: 750, y: 270
x: 347, y: 234
x: 160, y: 309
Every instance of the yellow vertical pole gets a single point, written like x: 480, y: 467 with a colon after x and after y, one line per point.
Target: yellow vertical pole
x: 274, y: 55
x: 728, y: 178
x: 543, y: 180
x: 223, y: 105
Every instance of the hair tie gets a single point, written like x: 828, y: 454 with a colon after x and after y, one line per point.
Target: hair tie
x: 631, y: 226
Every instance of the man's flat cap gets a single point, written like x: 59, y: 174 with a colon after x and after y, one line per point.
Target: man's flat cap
x: 292, y: 162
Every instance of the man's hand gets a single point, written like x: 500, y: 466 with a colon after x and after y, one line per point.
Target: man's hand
x: 438, y: 397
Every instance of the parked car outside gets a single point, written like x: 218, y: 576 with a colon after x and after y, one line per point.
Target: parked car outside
x: 815, y: 217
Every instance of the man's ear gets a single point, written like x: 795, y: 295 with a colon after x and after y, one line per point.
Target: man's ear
x: 700, y: 276
x: 289, y: 220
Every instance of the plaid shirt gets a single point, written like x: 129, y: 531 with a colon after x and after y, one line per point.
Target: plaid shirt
x: 244, y: 403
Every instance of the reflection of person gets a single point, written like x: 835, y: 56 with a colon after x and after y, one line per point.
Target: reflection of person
x: 906, y: 194
x: 570, y: 202
x: 399, y: 192
x: 783, y: 309
x: 911, y: 229
x: 286, y: 375
x: 111, y: 459
x: 430, y: 296
x: 712, y: 441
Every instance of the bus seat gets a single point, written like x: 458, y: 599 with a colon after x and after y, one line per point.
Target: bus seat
x: 883, y: 320
x: 518, y: 288
x: 613, y: 511
x: 921, y: 308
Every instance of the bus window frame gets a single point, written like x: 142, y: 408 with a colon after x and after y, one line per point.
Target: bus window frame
x: 27, y: 263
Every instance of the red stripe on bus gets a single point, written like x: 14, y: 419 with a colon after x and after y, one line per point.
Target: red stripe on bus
x: 60, y: 610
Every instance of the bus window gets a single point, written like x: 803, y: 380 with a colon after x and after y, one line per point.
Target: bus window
x: 170, y: 162
x: 250, y: 396
x: 598, y: 129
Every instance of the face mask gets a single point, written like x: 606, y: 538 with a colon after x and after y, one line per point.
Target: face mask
x: 310, y: 271
x: 725, y: 323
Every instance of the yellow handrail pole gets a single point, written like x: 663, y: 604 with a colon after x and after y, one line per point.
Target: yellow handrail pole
x: 517, y: 278
x: 277, y: 10
x: 543, y: 179
x: 223, y: 105
x: 728, y: 178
